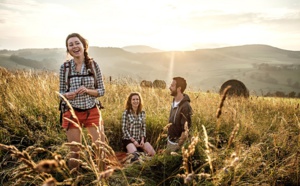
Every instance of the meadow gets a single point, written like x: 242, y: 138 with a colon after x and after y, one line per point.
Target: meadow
x: 233, y: 141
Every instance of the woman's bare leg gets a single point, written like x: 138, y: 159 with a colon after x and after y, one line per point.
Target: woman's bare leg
x: 94, y: 133
x: 73, y: 134
x: 149, y: 149
x: 131, y: 148
x: 98, y: 135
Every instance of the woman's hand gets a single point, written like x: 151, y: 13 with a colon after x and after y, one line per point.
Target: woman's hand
x: 142, y: 143
x: 70, y: 95
x: 82, y: 90
x: 136, y: 144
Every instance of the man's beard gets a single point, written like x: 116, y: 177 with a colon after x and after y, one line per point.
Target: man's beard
x: 174, y: 93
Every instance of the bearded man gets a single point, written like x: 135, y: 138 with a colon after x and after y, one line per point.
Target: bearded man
x: 180, y: 115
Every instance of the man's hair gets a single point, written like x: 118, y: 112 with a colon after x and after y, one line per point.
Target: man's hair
x: 180, y: 82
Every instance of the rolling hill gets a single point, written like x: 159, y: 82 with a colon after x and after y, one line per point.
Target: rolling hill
x: 262, y: 68
x: 141, y: 49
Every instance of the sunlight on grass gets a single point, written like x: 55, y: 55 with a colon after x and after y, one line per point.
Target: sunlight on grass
x: 252, y: 141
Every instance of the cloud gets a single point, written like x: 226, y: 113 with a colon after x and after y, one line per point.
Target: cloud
x: 176, y: 22
x: 19, y: 5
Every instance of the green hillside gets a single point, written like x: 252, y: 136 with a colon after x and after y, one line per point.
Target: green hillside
x: 261, y: 68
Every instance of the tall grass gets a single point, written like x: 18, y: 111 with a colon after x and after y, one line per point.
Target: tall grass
x: 251, y: 141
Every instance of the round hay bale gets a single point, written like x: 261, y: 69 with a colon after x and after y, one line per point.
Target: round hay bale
x: 159, y: 84
x: 145, y: 83
x: 237, y: 88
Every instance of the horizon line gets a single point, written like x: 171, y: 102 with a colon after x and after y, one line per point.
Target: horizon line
x: 159, y: 50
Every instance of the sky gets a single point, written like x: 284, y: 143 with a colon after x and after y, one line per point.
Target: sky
x: 161, y: 24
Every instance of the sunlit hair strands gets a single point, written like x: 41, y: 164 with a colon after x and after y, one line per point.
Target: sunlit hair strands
x: 87, y: 59
x: 128, y: 104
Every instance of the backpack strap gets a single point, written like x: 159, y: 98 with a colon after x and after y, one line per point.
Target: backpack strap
x: 94, y: 74
x: 67, y: 73
x: 68, y: 76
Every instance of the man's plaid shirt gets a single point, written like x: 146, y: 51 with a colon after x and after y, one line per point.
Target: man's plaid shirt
x: 81, y: 101
x: 133, y: 126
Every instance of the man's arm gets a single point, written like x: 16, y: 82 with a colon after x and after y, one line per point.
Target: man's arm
x: 186, y: 115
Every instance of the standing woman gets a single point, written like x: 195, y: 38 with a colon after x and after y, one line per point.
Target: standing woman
x: 134, y: 126
x: 81, y: 83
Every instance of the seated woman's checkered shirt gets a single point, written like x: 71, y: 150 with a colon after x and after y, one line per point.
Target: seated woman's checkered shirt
x: 133, y: 126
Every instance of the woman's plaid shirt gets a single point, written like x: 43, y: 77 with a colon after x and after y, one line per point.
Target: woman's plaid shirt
x: 81, y: 101
x: 134, y: 126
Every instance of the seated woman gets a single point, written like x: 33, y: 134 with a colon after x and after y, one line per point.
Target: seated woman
x: 134, y: 127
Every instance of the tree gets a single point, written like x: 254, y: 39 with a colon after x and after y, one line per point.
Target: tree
x: 279, y: 94
x: 292, y: 94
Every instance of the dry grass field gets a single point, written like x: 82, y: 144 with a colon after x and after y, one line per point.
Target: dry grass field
x: 233, y: 141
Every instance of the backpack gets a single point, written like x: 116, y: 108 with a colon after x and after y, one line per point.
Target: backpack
x: 67, y: 74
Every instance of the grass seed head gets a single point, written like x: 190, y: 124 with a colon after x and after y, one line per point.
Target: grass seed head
x: 50, y: 182
x: 46, y: 166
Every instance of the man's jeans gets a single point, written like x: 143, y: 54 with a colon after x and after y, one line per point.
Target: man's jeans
x: 171, y: 147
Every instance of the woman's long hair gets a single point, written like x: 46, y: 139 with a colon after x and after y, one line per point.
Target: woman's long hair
x: 87, y: 59
x: 128, y: 105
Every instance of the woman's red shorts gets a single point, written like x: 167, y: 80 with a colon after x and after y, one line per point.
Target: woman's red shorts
x: 87, y: 118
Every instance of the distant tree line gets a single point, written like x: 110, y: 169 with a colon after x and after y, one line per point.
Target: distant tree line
x: 292, y: 94
x: 264, y: 78
x: 276, y: 67
x: 28, y: 62
x: 269, y: 79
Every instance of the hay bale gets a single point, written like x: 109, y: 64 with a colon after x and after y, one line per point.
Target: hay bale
x: 237, y: 88
x: 145, y: 83
x: 159, y: 84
